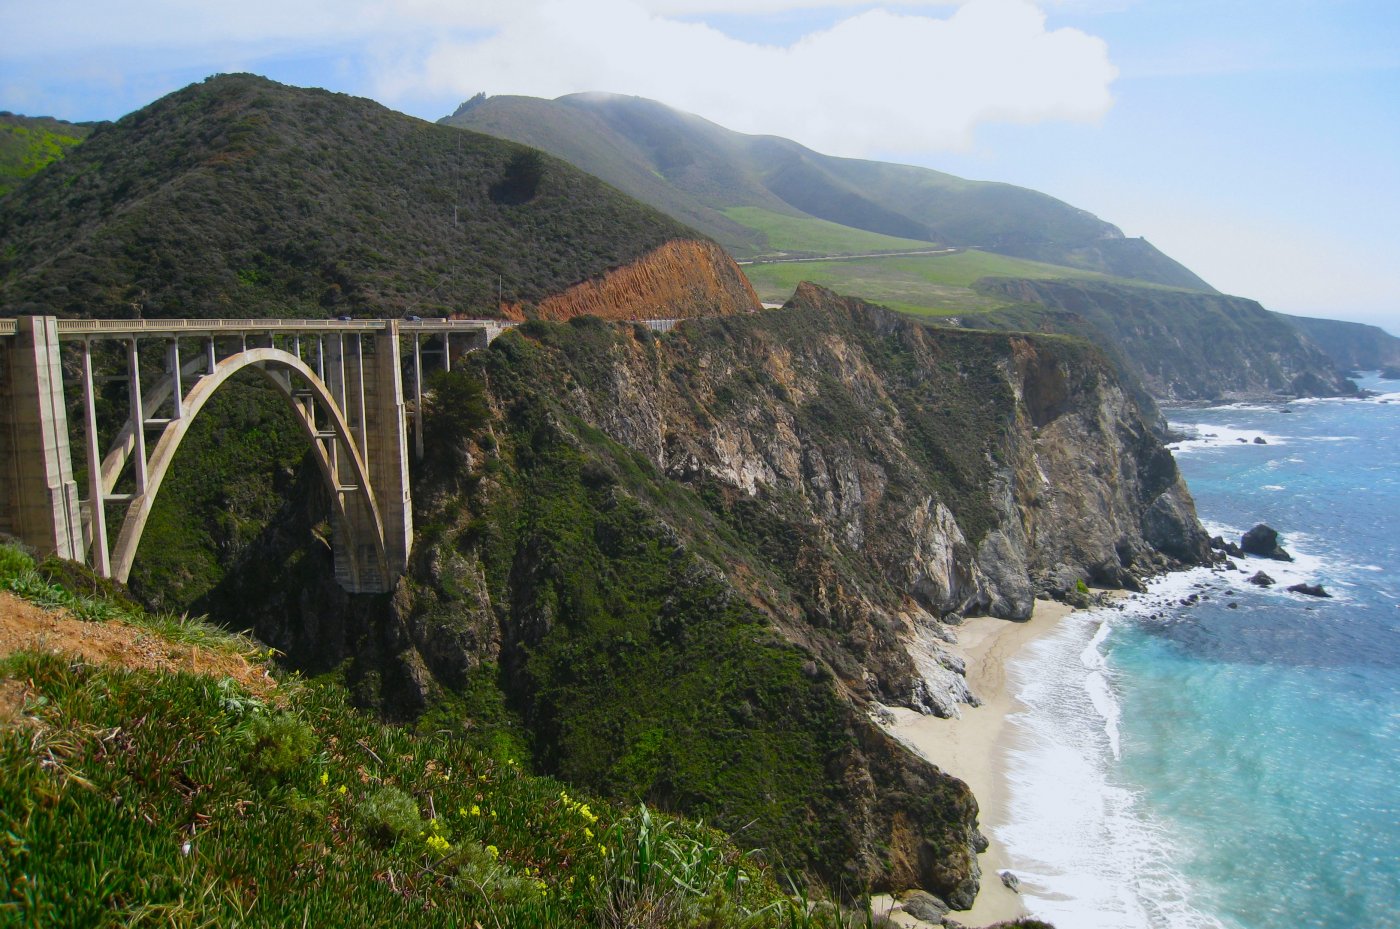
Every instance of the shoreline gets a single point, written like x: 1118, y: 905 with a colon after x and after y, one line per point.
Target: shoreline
x: 973, y: 748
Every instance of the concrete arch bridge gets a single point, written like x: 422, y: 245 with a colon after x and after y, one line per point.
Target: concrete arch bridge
x: 345, y: 381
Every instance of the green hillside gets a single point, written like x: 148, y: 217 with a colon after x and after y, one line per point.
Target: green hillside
x: 698, y: 171
x: 805, y: 235
x: 923, y: 285
x: 242, y: 197
x: 28, y: 143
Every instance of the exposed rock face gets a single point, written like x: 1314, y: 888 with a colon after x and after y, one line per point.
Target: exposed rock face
x: 1311, y: 590
x: 1183, y: 346
x: 681, y: 279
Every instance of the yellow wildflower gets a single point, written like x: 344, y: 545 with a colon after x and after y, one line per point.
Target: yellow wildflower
x: 325, y: 778
x: 476, y: 810
x: 493, y: 851
x: 437, y: 843
x: 587, y: 833
x: 343, y: 789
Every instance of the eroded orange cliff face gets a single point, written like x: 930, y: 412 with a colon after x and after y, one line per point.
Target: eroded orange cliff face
x: 683, y: 278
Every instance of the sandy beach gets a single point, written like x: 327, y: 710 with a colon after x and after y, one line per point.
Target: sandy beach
x: 973, y: 748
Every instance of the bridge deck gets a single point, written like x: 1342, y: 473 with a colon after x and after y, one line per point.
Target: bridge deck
x: 70, y: 328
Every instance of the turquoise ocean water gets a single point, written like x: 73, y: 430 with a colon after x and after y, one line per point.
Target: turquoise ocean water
x: 1210, y: 765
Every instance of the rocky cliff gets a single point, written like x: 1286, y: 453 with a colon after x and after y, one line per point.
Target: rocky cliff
x: 693, y: 566
x: 680, y: 279
x: 1352, y: 346
x: 1181, y: 345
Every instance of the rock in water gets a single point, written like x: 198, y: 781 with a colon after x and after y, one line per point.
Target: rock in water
x: 1259, y: 440
x: 1312, y: 590
x: 1262, y: 540
x: 1011, y: 881
x: 1261, y: 579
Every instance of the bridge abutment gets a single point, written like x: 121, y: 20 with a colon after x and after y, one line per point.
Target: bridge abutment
x: 42, y: 496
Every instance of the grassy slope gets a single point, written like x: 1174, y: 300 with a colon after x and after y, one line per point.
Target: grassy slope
x: 135, y: 797
x: 922, y: 285
x: 242, y: 197
x: 29, y: 143
x: 786, y: 233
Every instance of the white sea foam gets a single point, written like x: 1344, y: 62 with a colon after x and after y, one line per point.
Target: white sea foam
x: 1086, y: 853
x: 1199, y: 437
x: 1305, y: 568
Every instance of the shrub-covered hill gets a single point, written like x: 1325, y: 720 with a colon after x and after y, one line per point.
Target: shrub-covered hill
x: 239, y: 196
x: 28, y: 143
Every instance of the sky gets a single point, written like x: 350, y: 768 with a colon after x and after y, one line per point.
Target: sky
x: 1255, y: 141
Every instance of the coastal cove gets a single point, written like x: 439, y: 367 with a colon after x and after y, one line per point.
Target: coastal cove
x: 1223, y: 761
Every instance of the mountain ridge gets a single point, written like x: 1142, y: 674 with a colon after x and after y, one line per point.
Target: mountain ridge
x: 690, y: 167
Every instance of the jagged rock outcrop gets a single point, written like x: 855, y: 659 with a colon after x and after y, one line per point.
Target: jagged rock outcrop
x: 680, y: 279
x: 1182, y: 345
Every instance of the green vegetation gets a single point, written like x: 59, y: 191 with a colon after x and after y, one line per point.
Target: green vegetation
x: 921, y: 285
x: 242, y: 197
x: 230, y: 479
x: 742, y: 736
x: 134, y: 798
x: 28, y: 143
x: 787, y: 233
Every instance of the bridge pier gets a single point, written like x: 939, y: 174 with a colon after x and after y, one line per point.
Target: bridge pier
x: 42, y: 497
x: 386, y: 431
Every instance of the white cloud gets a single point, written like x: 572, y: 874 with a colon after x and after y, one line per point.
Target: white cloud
x: 904, y: 83
x: 896, y: 82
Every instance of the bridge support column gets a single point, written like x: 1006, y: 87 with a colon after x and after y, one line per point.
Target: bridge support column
x: 387, y: 446
x: 43, y: 496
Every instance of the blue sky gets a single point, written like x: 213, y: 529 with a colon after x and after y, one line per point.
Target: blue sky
x: 1257, y: 142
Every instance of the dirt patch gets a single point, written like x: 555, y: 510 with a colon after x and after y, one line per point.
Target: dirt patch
x: 13, y: 696
x: 26, y: 627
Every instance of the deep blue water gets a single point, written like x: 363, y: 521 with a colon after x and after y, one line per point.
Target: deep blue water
x: 1210, y: 765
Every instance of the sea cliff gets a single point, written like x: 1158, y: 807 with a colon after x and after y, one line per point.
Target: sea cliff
x: 689, y: 568
x: 1182, y: 346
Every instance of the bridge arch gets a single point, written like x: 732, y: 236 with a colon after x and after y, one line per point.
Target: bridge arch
x: 357, y: 522
x: 346, y: 383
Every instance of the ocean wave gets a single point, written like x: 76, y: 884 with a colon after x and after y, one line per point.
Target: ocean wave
x: 1086, y: 853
